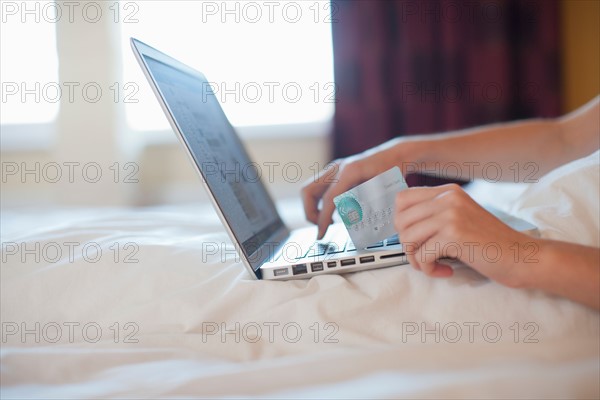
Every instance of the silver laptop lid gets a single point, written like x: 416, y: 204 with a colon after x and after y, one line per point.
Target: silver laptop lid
x: 235, y: 188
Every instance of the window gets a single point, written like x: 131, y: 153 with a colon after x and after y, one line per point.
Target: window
x: 268, y: 62
x: 29, y: 64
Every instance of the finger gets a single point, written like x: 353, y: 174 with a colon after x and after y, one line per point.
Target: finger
x: 323, y: 223
x: 439, y: 270
x: 420, y: 232
x: 313, y: 191
x: 418, y: 240
x: 434, y: 269
x: 310, y: 199
x: 327, y: 208
x: 413, y: 261
x: 426, y: 259
x: 348, y: 178
x: 409, y: 197
x: 418, y: 212
x: 428, y: 256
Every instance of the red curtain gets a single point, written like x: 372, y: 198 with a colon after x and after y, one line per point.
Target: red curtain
x: 408, y: 67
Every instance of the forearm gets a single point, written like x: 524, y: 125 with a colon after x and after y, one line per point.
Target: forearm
x: 506, y: 152
x: 516, y: 151
x: 567, y: 270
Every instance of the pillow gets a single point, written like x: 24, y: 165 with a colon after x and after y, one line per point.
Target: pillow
x: 565, y: 203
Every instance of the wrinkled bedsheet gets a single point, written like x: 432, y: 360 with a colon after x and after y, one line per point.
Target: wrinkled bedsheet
x: 154, y: 303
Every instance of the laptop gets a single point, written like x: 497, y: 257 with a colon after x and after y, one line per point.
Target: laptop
x: 267, y: 248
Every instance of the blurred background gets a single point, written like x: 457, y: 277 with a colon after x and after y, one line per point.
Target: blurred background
x: 302, y: 81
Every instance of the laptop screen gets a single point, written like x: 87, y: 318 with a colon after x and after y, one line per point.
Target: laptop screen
x: 231, y: 176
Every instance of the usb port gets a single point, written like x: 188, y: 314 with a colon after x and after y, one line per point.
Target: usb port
x: 316, y: 266
x: 280, y: 271
x: 367, y: 259
x: 299, y: 269
x: 331, y: 264
x: 348, y: 261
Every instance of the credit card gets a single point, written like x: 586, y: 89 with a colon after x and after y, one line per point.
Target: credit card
x: 367, y: 210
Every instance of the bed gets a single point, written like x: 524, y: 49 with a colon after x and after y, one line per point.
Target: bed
x: 153, y: 302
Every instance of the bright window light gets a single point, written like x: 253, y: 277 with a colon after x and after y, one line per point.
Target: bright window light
x: 29, y: 63
x: 269, y: 62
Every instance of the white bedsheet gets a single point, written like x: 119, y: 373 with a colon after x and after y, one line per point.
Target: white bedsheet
x: 346, y: 336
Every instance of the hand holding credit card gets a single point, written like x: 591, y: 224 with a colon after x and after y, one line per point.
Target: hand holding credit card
x: 367, y: 210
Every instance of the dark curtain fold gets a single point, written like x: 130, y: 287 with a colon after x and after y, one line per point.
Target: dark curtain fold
x: 415, y: 67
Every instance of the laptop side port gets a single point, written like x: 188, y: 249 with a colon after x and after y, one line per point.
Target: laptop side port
x: 331, y: 264
x: 316, y: 266
x: 348, y: 261
x: 299, y: 269
x: 394, y: 255
x: 367, y: 259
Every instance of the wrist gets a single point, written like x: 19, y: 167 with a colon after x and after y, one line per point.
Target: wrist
x: 533, y: 274
x: 412, y: 155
